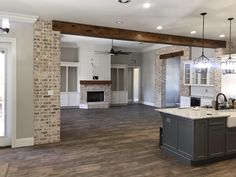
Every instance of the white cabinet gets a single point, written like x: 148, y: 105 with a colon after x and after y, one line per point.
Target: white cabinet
x: 119, y: 97
x: 69, y: 84
x: 191, y: 77
x: 119, y: 92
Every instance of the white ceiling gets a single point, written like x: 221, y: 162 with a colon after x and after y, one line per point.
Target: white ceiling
x: 177, y: 17
x: 102, y: 41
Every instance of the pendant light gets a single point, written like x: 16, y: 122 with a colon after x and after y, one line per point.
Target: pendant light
x: 229, y: 66
x: 202, y: 63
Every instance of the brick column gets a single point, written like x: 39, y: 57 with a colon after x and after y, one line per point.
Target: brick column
x: 46, y: 72
x: 160, y: 73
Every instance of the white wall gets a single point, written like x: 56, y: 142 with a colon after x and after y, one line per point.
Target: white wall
x: 133, y: 59
x: 148, y: 77
x: 229, y: 85
x: 23, y: 32
x: 197, y: 51
x: 102, y: 62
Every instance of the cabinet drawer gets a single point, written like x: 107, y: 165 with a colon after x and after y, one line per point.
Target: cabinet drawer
x: 217, y: 121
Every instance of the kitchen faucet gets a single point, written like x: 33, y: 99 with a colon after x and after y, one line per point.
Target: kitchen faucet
x: 217, y: 102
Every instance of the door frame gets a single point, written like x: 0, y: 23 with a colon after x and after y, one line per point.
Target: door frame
x: 140, y: 82
x: 11, y: 92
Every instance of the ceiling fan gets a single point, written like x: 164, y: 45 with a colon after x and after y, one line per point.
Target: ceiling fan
x: 113, y: 52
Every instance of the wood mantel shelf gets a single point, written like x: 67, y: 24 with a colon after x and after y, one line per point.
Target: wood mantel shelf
x: 97, y: 82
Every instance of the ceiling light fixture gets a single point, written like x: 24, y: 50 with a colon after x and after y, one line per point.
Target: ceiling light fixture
x: 202, y: 63
x: 5, y: 25
x: 222, y: 35
x: 124, y: 1
x: 119, y: 22
x: 229, y: 66
x: 146, y: 5
x: 193, y: 32
x: 159, y: 27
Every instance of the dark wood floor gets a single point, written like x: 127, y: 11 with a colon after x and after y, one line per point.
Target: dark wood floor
x: 117, y: 142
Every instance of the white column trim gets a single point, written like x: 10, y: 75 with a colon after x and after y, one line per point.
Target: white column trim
x: 23, y: 142
x: 12, y: 99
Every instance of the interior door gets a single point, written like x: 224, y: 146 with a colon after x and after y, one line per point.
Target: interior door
x: 5, y: 131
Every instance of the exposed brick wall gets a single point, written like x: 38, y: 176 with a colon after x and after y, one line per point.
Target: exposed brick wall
x: 217, y: 72
x: 160, y: 73
x: 46, y: 77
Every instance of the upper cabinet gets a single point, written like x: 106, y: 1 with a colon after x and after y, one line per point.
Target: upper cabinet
x: 191, y: 77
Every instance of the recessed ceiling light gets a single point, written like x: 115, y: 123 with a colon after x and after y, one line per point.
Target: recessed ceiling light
x: 193, y: 32
x: 146, y: 5
x: 222, y: 35
x: 159, y: 27
x: 124, y: 1
x: 119, y: 22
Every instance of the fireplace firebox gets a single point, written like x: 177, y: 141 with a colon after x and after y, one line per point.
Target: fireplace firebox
x: 97, y: 96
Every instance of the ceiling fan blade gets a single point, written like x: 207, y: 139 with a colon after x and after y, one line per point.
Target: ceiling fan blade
x: 101, y: 52
x: 123, y: 53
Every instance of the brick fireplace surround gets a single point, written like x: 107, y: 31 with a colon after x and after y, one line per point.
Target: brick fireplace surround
x: 95, y: 86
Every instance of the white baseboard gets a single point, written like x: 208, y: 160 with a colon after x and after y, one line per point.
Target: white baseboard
x: 148, y: 103
x: 83, y: 106
x: 22, y: 142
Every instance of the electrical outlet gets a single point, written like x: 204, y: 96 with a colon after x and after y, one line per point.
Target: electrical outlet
x: 50, y: 92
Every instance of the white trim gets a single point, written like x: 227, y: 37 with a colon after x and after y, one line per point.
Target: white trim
x: 148, y: 103
x: 73, y: 64
x: 83, y: 106
x: 22, y: 142
x: 12, y: 92
x: 16, y: 17
x: 140, y: 81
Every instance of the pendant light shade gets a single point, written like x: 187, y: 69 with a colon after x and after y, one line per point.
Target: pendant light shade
x: 229, y: 66
x: 202, y: 63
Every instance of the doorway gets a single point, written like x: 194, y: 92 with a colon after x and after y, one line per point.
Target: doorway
x: 5, y: 115
x: 172, y: 82
x: 134, y: 84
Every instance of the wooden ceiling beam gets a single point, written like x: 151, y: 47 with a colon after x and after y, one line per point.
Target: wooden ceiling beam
x: 131, y: 35
x: 172, y: 55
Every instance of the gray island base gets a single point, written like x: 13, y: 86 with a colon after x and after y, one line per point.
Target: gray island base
x: 197, y: 136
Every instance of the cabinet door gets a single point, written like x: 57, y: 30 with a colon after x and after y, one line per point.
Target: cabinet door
x: 201, y: 140
x: 216, y: 141
x: 187, y: 73
x: 114, y: 79
x: 72, y: 79
x: 230, y: 140
x: 186, y: 137
x: 170, y: 131
x: 204, y: 78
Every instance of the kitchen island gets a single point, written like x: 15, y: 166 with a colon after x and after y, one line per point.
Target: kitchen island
x: 199, y: 135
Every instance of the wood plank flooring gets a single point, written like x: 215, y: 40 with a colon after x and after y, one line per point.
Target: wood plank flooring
x: 115, y: 142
